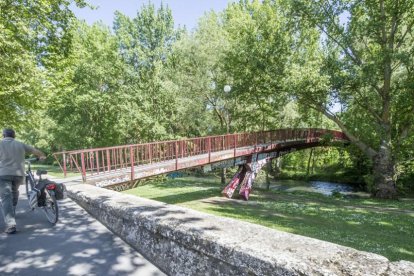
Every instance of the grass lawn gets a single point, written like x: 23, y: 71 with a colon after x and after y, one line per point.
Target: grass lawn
x: 382, y: 227
x: 51, y: 170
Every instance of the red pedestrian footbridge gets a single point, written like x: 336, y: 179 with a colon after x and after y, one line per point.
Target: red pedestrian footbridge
x: 111, y: 166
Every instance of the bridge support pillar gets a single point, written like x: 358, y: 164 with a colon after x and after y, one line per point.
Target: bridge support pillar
x: 245, y: 176
x: 235, y: 181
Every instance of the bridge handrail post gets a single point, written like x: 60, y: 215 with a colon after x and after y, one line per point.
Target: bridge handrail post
x: 150, y: 153
x: 108, y: 160
x: 227, y: 139
x: 176, y: 155
x: 64, y: 165
x: 235, y: 145
x: 131, y: 157
x: 255, y: 142
x: 89, y: 162
x: 83, y: 166
x: 209, y: 149
x: 97, y: 161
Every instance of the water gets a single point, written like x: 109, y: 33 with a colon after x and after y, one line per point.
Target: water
x: 322, y: 187
x: 327, y: 188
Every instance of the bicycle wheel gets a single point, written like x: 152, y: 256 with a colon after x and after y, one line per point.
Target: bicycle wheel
x: 51, y: 208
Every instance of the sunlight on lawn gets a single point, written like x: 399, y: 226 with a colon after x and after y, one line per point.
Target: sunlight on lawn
x: 382, y: 227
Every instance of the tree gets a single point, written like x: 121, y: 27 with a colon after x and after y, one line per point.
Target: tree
x: 33, y: 38
x: 145, y: 44
x: 191, y: 83
x: 256, y: 59
x: 247, y: 47
x: 90, y: 108
x: 198, y: 63
x: 359, y: 54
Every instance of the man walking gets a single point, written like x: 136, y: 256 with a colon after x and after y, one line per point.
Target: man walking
x: 12, y: 154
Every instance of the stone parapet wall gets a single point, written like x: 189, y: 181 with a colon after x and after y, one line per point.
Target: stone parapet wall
x: 181, y: 241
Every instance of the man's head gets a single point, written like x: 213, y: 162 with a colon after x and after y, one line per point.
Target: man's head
x: 8, y: 132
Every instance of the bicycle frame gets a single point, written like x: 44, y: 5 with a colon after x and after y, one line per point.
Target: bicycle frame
x: 30, y: 176
x: 48, y: 190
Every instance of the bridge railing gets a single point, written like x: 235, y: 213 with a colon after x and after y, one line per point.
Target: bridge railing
x: 109, y: 159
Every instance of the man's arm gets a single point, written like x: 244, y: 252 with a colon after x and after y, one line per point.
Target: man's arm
x: 39, y: 154
x: 35, y: 151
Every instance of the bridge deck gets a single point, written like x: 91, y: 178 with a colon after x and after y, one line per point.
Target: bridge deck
x: 111, y: 165
x: 143, y: 171
x: 114, y: 177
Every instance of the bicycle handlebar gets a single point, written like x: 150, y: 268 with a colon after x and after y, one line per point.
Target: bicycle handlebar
x: 28, y: 160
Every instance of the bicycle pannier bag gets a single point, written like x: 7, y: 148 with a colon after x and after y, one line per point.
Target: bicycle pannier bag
x: 60, y: 191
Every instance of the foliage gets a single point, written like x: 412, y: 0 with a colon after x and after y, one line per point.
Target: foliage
x: 405, y: 176
x: 359, y: 55
x: 331, y: 64
x: 334, y: 164
x: 145, y: 45
x: 114, y: 89
x: 33, y: 38
x: 246, y: 48
x: 198, y: 73
x: 255, y: 61
x: 88, y: 109
x: 191, y: 64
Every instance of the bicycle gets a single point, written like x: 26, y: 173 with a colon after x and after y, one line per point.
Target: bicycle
x: 45, y: 192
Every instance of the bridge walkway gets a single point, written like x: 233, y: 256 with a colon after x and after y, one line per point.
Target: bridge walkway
x: 144, y: 171
x: 101, y: 166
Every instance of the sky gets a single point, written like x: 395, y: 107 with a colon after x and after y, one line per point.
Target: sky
x: 185, y: 12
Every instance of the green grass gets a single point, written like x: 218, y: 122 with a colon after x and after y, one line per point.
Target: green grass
x: 52, y: 170
x: 382, y: 227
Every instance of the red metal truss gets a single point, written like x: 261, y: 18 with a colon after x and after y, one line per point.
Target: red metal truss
x: 181, y: 154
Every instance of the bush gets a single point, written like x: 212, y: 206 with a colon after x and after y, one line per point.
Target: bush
x: 369, y: 182
x: 336, y: 194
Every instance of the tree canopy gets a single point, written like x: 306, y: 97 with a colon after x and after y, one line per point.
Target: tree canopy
x: 257, y: 65
x: 360, y: 57
x: 33, y: 37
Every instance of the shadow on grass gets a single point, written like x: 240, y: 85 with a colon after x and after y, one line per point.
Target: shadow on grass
x: 187, y: 182
x: 385, y: 235
x: 189, y: 196
x: 382, y: 227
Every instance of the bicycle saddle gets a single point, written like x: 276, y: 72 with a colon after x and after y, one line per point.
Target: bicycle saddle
x: 40, y: 172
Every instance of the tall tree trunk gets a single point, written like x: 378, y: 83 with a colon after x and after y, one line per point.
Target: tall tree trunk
x: 383, y: 169
x: 309, y: 162
x: 384, y: 173
x: 313, y: 162
x: 223, y: 176
x: 278, y: 167
x: 269, y: 169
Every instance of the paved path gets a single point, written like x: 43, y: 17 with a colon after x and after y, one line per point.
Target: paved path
x: 77, y: 245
